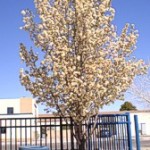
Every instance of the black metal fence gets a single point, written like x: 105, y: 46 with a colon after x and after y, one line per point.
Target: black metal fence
x: 112, y: 133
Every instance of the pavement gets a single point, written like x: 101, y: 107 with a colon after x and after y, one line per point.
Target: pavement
x: 145, y: 143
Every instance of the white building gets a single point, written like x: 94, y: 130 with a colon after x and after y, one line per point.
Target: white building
x: 143, y: 120
x: 12, y: 114
x: 18, y: 108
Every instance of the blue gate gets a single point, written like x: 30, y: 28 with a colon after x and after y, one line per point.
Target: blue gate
x: 113, y: 132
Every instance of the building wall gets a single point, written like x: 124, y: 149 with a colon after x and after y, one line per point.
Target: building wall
x: 144, y: 123
x: 143, y: 119
x: 22, y: 107
x: 9, y: 103
x: 26, y: 105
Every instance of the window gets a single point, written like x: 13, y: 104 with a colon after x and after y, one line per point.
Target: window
x: 143, y: 128
x: 10, y: 110
x: 3, y: 130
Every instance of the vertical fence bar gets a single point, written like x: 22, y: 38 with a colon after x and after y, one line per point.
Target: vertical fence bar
x: 98, y: 134
x: 0, y: 135
x: 10, y: 134
x: 118, y: 133
x: 25, y: 131
x: 15, y: 133
x: 129, y: 131
x: 46, y: 128
x: 30, y: 132
x: 92, y: 136
x: 35, y: 134
x: 6, y: 135
x: 89, y: 139
x: 50, y: 133
x: 55, y: 127
x: 20, y: 132
x: 42, y: 132
x: 67, y: 141
x: 138, y: 144
x: 72, y: 138
x: 61, y: 133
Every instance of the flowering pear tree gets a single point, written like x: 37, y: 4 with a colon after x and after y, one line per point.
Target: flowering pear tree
x: 85, y: 63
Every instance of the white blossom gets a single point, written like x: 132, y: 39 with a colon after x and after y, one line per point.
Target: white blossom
x: 86, y: 64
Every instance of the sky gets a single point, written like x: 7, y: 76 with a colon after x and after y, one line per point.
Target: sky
x: 127, y: 11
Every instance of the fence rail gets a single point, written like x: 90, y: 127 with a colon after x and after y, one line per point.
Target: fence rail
x: 112, y: 133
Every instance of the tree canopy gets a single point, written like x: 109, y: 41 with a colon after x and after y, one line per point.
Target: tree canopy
x: 86, y: 64
x: 127, y: 106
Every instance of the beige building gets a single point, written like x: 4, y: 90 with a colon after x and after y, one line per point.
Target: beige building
x: 20, y: 107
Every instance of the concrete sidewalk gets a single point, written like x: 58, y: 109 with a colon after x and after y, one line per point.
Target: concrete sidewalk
x: 145, y: 142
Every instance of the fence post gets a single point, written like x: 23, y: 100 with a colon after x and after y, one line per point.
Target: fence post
x: 129, y: 131
x: 72, y: 138
x: 61, y: 134
x: 89, y: 144
x: 138, y: 145
x: 0, y: 135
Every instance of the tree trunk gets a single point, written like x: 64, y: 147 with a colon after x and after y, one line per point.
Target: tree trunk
x: 80, y: 137
x: 82, y: 145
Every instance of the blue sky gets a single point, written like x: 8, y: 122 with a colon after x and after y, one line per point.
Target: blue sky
x: 127, y: 11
